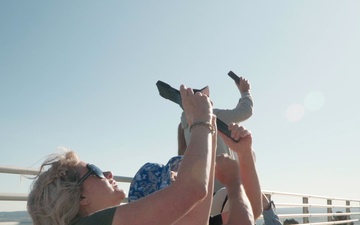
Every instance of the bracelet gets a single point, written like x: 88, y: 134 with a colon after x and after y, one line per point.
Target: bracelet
x: 201, y: 123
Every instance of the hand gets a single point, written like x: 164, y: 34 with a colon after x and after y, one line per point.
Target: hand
x: 265, y: 202
x: 238, y: 132
x: 226, y: 169
x: 197, y: 106
x: 243, y: 85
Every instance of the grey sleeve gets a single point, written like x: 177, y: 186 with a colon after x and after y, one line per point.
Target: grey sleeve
x: 241, y: 112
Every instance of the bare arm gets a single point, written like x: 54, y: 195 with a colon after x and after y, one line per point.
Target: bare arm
x: 240, y: 211
x: 200, y: 214
x: 251, y: 182
x: 170, y: 204
x: 239, y: 205
x: 248, y: 171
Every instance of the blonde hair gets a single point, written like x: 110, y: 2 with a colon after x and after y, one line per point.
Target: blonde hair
x: 55, y: 194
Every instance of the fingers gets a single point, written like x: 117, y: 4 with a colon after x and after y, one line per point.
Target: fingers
x: 244, y: 85
x: 185, y: 91
x: 197, y: 106
x: 244, y: 145
x: 238, y: 132
x: 244, y: 81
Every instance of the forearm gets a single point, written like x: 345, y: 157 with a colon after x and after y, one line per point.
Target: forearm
x: 241, y: 112
x: 183, y: 198
x: 240, y: 208
x: 200, y: 213
x: 250, y: 181
x: 196, y: 164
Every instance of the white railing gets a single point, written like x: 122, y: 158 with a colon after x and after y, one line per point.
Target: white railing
x: 315, y: 209
x: 301, y: 207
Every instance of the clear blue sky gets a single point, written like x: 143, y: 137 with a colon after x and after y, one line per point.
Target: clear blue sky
x: 82, y: 74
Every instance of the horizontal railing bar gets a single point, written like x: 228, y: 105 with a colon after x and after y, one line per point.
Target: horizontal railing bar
x: 13, y: 197
x: 18, y: 170
x: 330, y: 222
x: 325, y: 223
x: 313, y: 205
x: 302, y: 215
x: 123, y: 179
x: 29, y: 171
x: 24, y: 197
x: 308, y: 196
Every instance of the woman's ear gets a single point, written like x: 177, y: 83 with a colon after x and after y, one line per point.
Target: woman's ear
x: 84, y: 201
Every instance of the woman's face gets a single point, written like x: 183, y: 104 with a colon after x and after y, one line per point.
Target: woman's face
x: 98, y: 193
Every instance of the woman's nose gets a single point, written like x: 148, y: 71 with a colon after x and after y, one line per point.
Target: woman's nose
x: 108, y: 174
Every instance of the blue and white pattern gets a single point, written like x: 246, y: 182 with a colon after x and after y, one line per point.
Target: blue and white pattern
x: 152, y: 177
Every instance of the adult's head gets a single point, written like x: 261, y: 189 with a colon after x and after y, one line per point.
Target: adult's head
x: 68, y: 188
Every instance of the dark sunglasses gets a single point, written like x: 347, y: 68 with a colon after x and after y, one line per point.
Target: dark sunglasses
x: 93, y: 170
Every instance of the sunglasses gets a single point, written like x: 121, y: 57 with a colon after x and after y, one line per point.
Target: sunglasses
x: 93, y: 170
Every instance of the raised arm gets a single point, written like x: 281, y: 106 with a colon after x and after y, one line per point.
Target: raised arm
x: 201, y: 212
x: 172, y: 203
x: 248, y: 171
x: 244, y: 108
x: 240, y: 211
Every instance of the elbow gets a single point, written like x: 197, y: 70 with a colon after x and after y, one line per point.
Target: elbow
x: 198, y: 192
x: 249, y: 111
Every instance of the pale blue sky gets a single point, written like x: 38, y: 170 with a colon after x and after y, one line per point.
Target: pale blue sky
x: 82, y: 74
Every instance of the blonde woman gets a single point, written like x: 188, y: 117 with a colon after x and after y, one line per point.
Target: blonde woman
x: 74, y: 192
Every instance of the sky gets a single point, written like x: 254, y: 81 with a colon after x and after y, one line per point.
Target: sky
x: 82, y: 74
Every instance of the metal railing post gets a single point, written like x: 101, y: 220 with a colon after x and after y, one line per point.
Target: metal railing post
x: 329, y: 209
x: 305, y: 209
x: 348, y: 211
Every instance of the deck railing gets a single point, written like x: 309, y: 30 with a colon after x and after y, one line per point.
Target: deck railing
x: 315, y: 209
x: 303, y: 208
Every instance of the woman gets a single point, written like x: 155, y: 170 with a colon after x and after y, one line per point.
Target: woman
x: 73, y: 192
